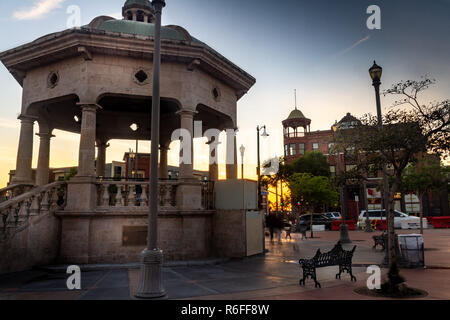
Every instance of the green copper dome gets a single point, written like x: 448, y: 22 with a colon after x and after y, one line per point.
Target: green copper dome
x: 296, y: 114
x: 140, y: 28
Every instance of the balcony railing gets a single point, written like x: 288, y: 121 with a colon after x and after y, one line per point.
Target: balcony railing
x: 16, y: 213
x: 294, y: 135
x: 120, y: 194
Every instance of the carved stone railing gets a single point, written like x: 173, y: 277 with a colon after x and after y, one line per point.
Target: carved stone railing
x: 135, y: 194
x: 121, y: 194
x: 14, y: 190
x: 16, y: 213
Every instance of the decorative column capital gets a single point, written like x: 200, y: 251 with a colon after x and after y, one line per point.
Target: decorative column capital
x: 89, y: 107
x: 186, y: 113
x: 45, y: 136
x: 102, y: 144
x: 27, y: 118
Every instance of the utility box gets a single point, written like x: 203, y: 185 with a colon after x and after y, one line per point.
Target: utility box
x: 236, y: 195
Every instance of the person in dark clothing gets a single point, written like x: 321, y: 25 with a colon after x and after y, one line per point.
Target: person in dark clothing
x: 270, y: 223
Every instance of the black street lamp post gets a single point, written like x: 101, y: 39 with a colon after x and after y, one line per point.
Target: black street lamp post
x: 375, y: 73
x: 151, y: 282
x: 242, y: 150
x: 343, y: 229
x: 258, y: 169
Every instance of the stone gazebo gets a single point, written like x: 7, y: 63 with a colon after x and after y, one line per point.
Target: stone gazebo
x: 96, y: 81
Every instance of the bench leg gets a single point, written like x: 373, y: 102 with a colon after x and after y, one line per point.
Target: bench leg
x: 348, y: 269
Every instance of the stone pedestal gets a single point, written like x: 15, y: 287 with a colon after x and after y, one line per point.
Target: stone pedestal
x: 81, y: 195
x: 189, y: 195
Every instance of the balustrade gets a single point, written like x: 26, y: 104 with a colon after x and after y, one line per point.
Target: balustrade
x: 15, y: 213
x: 135, y: 193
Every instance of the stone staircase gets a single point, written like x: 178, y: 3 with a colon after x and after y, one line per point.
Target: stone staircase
x: 16, y: 212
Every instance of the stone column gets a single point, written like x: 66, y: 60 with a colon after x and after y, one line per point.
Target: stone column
x: 189, y: 192
x: 24, y: 173
x: 187, y: 123
x: 163, y: 169
x: 86, y: 162
x: 101, y: 158
x: 42, y: 174
x: 82, y: 192
x: 213, y: 161
x: 232, y: 165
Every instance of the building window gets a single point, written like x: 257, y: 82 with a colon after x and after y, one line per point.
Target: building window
x: 333, y: 171
x: 350, y: 167
x: 330, y: 147
x: 292, y: 149
x: 301, y: 148
x: 117, y: 171
x: 315, y: 146
x: 286, y: 150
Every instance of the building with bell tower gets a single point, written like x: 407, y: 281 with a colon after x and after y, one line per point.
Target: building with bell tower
x: 138, y: 10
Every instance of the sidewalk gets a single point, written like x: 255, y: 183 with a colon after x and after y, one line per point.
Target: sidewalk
x: 274, y: 276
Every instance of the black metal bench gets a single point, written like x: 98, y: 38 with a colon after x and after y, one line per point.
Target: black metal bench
x: 380, y: 241
x: 336, y: 257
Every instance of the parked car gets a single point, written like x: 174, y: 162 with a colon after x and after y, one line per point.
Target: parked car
x: 333, y: 215
x: 318, y: 219
x: 399, y: 217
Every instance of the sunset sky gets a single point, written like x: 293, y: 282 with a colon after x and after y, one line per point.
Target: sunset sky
x: 321, y: 48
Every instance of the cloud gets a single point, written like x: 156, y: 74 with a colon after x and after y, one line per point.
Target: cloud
x: 357, y: 43
x: 38, y: 10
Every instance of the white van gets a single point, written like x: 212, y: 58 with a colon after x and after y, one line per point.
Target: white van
x: 401, y: 220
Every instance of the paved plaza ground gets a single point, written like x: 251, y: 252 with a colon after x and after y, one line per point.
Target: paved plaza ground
x: 273, y: 276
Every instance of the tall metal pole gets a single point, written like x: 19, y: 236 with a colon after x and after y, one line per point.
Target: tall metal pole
x: 258, y: 170
x: 151, y: 282
x: 391, y: 232
x: 343, y: 229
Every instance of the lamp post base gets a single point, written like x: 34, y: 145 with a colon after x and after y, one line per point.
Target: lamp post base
x: 151, y: 281
x: 368, y: 227
x: 344, y: 237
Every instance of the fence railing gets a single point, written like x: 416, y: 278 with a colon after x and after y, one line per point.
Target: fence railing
x: 14, y: 190
x: 16, y: 213
x: 119, y: 194
x: 134, y: 193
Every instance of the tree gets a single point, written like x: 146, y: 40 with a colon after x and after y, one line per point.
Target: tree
x: 283, y: 173
x: 312, y: 191
x: 407, y: 133
x: 314, y: 163
x: 423, y: 177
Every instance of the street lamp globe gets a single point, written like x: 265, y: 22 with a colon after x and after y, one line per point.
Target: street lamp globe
x: 264, y: 134
x: 375, y: 72
x: 242, y: 150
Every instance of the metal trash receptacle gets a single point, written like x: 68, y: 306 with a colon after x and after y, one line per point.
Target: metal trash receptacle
x: 411, y: 250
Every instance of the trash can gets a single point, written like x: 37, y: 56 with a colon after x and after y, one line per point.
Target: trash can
x: 411, y: 250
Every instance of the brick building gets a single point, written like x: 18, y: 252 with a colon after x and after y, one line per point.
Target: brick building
x: 298, y: 139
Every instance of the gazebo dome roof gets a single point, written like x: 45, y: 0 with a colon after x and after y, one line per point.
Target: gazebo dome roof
x: 296, y: 114
x: 144, y: 29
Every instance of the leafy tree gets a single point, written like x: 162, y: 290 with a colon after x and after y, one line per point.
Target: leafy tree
x: 72, y: 173
x: 314, y: 163
x: 423, y: 177
x: 282, y: 175
x: 409, y: 130
x: 312, y: 191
